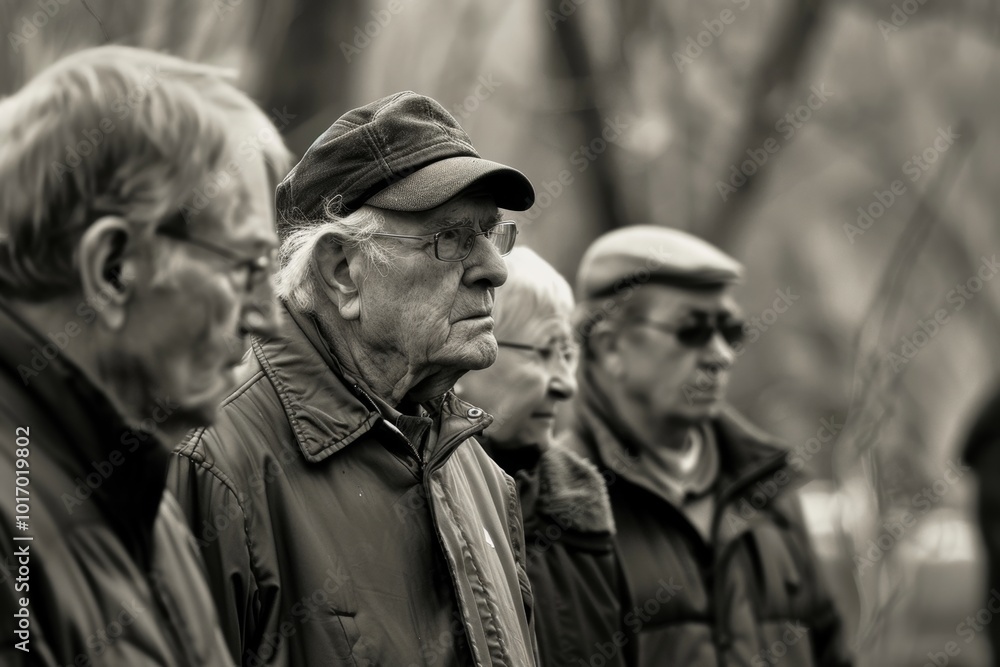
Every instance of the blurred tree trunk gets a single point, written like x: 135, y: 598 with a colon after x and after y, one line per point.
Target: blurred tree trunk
x: 770, y: 94
x: 309, y: 76
x: 571, y: 60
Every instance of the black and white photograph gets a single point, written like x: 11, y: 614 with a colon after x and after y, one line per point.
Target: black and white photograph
x: 499, y: 333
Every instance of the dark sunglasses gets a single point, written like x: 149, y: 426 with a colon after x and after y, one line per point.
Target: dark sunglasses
x: 698, y: 334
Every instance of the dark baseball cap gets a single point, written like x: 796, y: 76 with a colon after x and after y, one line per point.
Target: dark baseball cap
x: 404, y: 153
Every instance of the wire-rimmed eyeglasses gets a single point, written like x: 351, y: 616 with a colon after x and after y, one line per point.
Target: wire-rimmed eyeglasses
x: 455, y: 244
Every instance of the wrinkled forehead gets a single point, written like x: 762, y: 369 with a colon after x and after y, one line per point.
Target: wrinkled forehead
x: 666, y: 303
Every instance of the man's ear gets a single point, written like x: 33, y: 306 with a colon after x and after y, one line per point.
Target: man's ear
x: 107, y: 273
x: 333, y: 267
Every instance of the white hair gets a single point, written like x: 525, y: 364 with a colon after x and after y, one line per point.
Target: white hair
x: 114, y: 130
x: 296, y: 282
x: 534, y: 290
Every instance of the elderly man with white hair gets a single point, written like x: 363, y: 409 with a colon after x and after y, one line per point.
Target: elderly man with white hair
x: 126, y: 294
x: 345, y: 510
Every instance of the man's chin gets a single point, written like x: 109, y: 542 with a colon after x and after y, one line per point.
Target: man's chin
x: 699, y: 412
x: 708, y: 411
x: 479, y: 362
x: 475, y: 355
x: 188, y: 417
x: 210, y: 389
x: 200, y: 406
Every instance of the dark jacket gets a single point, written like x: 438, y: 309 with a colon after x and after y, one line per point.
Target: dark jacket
x: 568, y: 529
x: 107, y: 578
x: 752, y: 596
x: 982, y: 452
x: 333, y: 537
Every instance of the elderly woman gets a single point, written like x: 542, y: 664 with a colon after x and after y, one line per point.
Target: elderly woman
x: 567, y: 517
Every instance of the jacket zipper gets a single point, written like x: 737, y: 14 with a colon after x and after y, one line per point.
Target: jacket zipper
x: 441, y: 456
x: 409, y: 445
x: 722, y: 556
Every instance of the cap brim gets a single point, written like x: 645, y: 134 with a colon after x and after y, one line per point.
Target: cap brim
x: 439, y: 181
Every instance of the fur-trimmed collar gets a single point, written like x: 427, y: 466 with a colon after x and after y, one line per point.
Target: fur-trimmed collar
x: 572, y: 491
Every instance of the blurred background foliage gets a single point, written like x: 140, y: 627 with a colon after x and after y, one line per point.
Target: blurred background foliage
x: 676, y: 113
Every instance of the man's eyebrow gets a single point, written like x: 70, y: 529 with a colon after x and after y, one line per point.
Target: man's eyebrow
x: 693, y: 313
x: 701, y: 314
x: 445, y: 223
x: 465, y: 221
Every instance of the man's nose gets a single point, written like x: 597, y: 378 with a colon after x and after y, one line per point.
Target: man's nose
x: 259, y: 316
x: 718, y: 352
x: 485, y: 265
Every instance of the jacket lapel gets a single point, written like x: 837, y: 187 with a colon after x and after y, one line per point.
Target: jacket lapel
x: 324, y: 414
x: 327, y: 412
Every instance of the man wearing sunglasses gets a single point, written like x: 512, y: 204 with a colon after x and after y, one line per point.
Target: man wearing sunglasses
x: 345, y: 510
x: 717, y: 564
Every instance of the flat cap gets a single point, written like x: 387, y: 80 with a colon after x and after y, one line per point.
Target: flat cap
x: 651, y: 254
x: 404, y: 152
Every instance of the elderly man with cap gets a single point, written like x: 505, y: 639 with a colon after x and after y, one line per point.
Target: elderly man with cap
x: 717, y: 566
x: 345, y: 510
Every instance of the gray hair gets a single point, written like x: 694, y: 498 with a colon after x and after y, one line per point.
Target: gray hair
x: 119, y: 130
x: 296, y: 282
x: 534, y: 290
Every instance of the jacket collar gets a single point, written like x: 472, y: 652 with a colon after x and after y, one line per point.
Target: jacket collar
x: 328, y: 410
x: 92, y: 431
x: 558, y: 483
x: 572, y: 491
x: 513, y: 460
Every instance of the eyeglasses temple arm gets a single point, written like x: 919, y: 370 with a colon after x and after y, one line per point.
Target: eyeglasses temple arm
x: 517, y: 346
x: 406, y: 236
